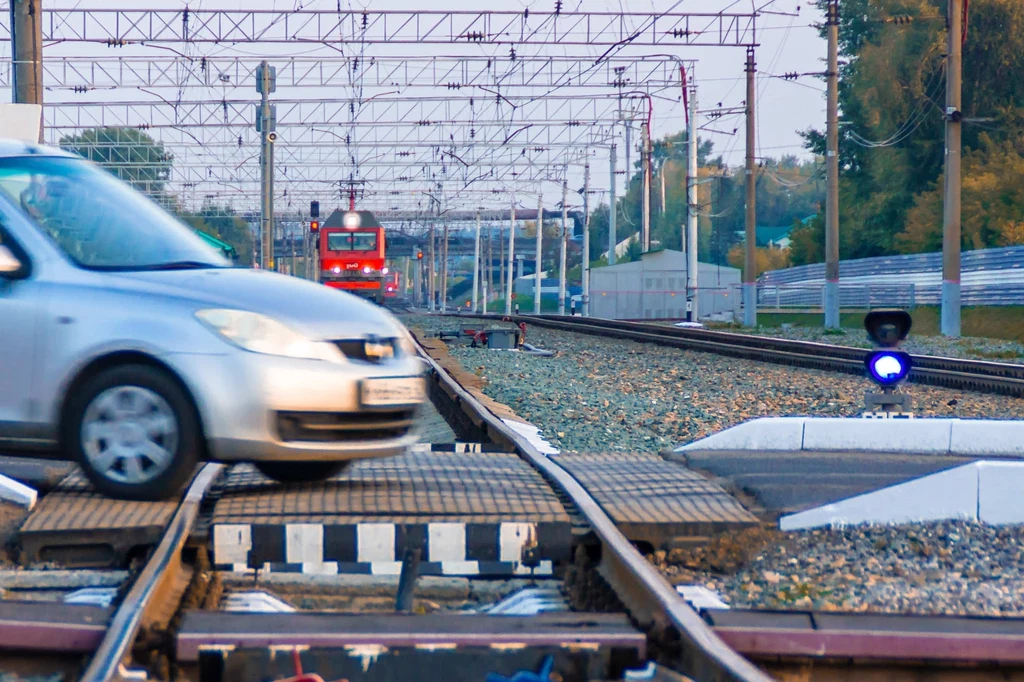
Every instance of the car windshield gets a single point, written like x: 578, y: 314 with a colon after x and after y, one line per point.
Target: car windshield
x: 100, y: 222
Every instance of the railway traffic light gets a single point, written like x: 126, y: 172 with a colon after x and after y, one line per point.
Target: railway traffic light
x: 887, y: 365
x: 419, y: 255
x: 314, y: 226
x: 314, y: 209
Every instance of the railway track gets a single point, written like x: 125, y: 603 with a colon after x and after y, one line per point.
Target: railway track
x: 968, y: 375
x: 625, y: 614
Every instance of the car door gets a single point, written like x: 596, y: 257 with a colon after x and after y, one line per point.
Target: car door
x: 21, y: 419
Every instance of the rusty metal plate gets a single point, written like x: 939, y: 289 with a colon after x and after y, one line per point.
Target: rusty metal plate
x: 51, y: 627
x: 653, y: 500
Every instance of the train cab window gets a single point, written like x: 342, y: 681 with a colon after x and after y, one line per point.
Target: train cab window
x: 364, y: 241
x: 339, y: 241
x: 352, y: 241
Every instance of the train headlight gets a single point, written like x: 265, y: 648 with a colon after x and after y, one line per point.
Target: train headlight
x: 888, y: 367
x: 336, y: 270
x: 384, y: 271
x: 367, y: 269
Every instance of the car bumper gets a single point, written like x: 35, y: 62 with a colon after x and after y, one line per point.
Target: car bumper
x: 246, y: 401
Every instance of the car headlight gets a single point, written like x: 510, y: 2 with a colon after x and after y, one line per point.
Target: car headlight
x: 261, y: 334
x: 407, y: 345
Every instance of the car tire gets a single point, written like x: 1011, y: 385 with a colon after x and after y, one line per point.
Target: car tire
x: 300, y: 472
x: 135, y: 432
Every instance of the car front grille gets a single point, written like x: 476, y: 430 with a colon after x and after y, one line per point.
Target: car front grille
x: 375, y: 351
x: 339, y: 427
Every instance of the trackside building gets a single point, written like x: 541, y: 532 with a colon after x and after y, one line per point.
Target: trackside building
x: 654, y: 287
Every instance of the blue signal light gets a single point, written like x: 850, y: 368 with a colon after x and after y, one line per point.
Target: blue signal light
x: 888, y: 367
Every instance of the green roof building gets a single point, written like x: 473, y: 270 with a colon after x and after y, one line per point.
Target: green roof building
x: 223, y: 247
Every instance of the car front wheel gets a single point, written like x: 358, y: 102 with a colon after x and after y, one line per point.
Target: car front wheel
x: 300, y: 472
x: 135, y: 433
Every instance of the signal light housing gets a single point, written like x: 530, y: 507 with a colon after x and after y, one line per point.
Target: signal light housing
x: 887, y: 365
x: 888, y: 328
x: 314, y: 226
x: 419, y: 255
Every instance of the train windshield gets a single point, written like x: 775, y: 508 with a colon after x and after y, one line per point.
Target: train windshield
x: 352, y: 241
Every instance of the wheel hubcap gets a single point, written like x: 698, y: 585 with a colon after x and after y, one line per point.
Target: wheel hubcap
x: 129, y: 434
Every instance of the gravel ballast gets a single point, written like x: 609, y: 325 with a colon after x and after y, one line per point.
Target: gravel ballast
x: 948, y: 567
x: 601, y: 394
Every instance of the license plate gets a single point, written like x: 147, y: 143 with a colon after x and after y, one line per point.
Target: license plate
x: 393, y: 391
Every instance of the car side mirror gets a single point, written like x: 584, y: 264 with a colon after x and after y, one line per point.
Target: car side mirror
x: 10, y: 266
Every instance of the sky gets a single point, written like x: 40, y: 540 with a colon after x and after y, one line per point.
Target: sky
x: 788, y: 42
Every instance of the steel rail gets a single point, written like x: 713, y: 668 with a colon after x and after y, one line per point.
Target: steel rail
x: 970, y: 375
x: 647, y: 595
x: 152, y: 582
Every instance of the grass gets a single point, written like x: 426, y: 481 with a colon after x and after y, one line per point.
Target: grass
x: 525, y: 306
x: 991, y: 323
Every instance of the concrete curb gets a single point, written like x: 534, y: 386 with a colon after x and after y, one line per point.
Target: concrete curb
x: 16, y: 492
x: 957, y: 437
x: 987, y: 492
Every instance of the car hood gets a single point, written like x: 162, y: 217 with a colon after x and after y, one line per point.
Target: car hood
x: 313, y: 309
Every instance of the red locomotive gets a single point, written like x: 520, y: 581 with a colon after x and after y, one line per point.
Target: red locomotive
x: 352, y: 248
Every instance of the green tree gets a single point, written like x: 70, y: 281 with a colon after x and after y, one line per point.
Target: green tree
x: 225, y: 224
x: 891, y: 91
x: 129, y: 153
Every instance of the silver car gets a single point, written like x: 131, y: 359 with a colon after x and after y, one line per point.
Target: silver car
x: 130, y: 346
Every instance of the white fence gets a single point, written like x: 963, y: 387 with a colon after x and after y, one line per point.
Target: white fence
x: 861, y: 296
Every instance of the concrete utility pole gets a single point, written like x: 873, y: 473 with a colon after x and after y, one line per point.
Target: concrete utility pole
x: 476, y: 265
x: 565, y: 244
x: 645, y: 168
x: 832, y: 172
x: 27, y: 54
x: 405, y: 277
x: 501, y: 264
x: 540, y: 243
x: 431, y: 268
x: 661, y: 181
x: 692, y: 267
x: 509, y: 282
x: 417, y: 285
x: 586, y: 241
x: 444, y: 269
x: 489, y: 268
x: 611, y: 209
x: 749, y: 262
x: 291, y: 238
x: 950, y: 321
x: 266, y: 83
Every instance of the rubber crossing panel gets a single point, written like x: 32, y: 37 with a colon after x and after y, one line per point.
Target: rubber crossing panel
x: 77, y: 527
x: 653, y: 500
x: 469, y: 513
